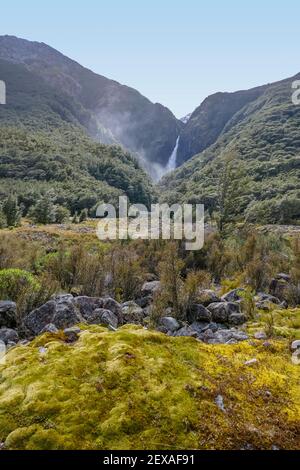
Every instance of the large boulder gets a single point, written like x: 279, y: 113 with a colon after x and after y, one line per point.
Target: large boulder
x: 87, y: 305
x: 186, y: 331
x: 279, y: 287
x: 132, y: 313
x: 221, y: 311
x: 198, y: 313
x: 8, y: 335
x: 102, y: 316
x: 150, y: 288
x: 144, y: 302
x: 60, y: 311
x: 266, y: 301
x: 169, y: 324
x: 8, y: 311
x: 200, y: 327
x: 237, y: 319
x: 208, y: 296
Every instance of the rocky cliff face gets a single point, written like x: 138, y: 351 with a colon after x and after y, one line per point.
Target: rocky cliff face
x: 114, y: 113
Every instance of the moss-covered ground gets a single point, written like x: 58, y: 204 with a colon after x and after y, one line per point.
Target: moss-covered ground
x: 137, y: 389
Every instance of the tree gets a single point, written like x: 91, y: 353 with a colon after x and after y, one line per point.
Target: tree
x: 11, y: 211
x: 44, y: 210
x: 171, y: 280
x: 83, y: 215
x: 231, y: 187
x: 62, y: 214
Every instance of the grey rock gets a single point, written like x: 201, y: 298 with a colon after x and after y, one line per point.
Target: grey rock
x: 233, y: 295
x: 264, y: 305
x: 283, y: 304
x: 237, y: 319
x: 200, y: 327
x: 87, y: 305
x: 111, y: 328
x: 221, y: 311
x: 279, y: 288
x: 144, y: 302
x: 208, y: 296
x: 261, y: 296
x: 251, y: 362
x: 60, y: 311
x: 239, y: 335
x: 198, y: 313
x: 207, y: 336
x: 213, y: 327
x: 8, y: 335
x: 220, y: 403
x: 170, y: 324
x: 132, y: 313
x: 50, y: 328
x: 296, y: 357
x: 223, y: 336
x: 295, y: 345
x: 214, y: 341
x: 102, y: 316
x: 150, y: 288
x: 11, y: 344
x: 261, y: 335
x: 186, y: 331
x: 72, y: 334
x: 8, y: 311
x: 283, y: 276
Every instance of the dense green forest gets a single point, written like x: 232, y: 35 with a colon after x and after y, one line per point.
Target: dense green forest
x: 81, y: 172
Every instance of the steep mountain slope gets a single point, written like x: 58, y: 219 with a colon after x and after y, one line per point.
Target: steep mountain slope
x: 208, y: 121
x: 44, y: 145
x: 113, y: 112
x: 262, y: 143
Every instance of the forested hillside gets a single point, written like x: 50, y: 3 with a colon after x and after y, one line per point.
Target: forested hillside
x: 252, y: 171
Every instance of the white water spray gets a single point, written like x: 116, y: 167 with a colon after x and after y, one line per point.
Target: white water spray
x: 171, y: 165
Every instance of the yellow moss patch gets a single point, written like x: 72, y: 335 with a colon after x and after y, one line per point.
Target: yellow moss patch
x: 279, y: 322
x: 139, y: 389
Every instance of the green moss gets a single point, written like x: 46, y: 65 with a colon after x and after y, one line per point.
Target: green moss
x: 138, y: 389
x: 283, y: 323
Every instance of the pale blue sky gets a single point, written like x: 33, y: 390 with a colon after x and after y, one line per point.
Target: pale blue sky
x: 174, y: 52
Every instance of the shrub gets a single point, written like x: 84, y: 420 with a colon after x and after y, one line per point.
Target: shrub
x: 13, y: 281
x: 62, y: 214
x: 44, y: 210
x: 21, y: 287
x: 11, y: 211
x: 125, y: 273
x: 77, y: 267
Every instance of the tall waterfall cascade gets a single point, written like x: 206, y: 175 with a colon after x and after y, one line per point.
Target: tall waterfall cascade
x: 171, y: 165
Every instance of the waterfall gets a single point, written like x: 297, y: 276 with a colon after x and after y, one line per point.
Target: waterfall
x: 171, y: 165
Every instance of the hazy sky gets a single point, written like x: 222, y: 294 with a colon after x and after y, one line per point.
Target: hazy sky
x: 174, y: 52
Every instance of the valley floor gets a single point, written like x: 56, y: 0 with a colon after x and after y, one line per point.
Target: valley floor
x: 116, y: 366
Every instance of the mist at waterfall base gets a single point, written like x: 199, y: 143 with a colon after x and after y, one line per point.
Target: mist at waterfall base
x: 156, y: 170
